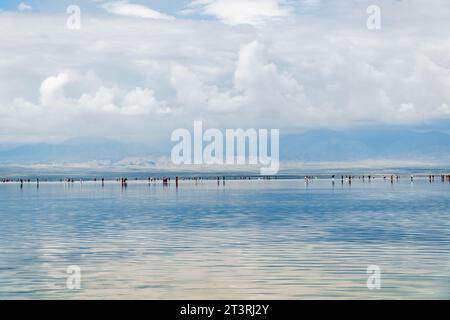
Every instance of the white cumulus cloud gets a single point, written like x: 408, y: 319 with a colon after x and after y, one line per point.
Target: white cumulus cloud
x: 147, y: 76
x: 24, y: 7
x: 125, y: 8
x: 234, y: 12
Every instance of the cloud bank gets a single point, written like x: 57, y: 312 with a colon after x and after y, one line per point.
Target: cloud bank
x: 24, y: 7
x: 234, y: 12
x: 275, y: 67
x: 125, y: 8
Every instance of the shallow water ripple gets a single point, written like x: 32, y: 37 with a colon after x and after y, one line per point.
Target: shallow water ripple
x: 247, y: 239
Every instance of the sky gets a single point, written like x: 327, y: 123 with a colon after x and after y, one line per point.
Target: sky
x: 136, y: 70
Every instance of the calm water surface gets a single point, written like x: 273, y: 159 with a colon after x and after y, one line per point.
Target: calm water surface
x: 245, y: 239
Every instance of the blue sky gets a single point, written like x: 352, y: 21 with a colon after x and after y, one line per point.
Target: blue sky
x: 139, y: 69
x: 55, y: 6
x: 166, y: 6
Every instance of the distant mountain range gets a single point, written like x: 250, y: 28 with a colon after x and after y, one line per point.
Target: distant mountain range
x: 73, y: 150
x: 362, y: 144
x: 311, y: 146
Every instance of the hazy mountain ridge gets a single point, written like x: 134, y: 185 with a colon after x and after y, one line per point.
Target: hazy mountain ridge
x: 313, y: 145
x: 73, y: 150
x: 329, y: 145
